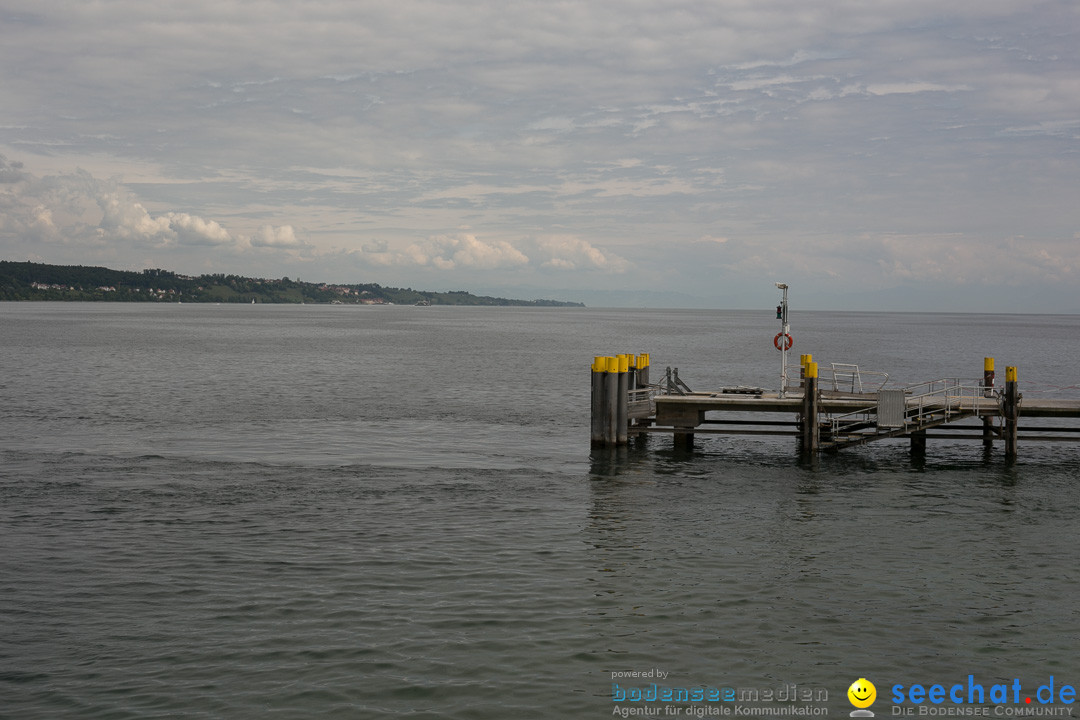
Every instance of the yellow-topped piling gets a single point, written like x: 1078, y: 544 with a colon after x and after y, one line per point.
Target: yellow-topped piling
x: 988, y: 392
x: 1010, y: 410
x: 614, y: 376
x: 809, y: 431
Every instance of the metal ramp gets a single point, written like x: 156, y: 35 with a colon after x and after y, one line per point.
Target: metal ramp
x: 907, y: 411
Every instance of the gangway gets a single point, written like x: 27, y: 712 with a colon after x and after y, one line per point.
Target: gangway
x: 910, y: 410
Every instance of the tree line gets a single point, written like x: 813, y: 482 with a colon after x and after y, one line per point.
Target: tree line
x: 21, y: 281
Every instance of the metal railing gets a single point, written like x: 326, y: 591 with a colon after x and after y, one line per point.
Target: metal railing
x: 947, y: 395
x: 846, y: 377
x: 641, y: 402
x: 926, y: 402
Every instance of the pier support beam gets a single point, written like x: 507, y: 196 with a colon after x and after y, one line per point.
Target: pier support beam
x: 622, y: 399
x: 918, y: 443
x: 1011, y: 411
x: 611, y: 402
x: 987, y: 421
x: 598, y: 428
x: 810, y: 432
x: 608, y: 404
x: 642, y: 370
x: 684, y: 439
x: 610, y: 422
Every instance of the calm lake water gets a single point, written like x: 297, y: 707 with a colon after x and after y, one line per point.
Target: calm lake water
x: 362, y: 512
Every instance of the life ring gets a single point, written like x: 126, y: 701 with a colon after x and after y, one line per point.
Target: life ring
x: 787, y: 343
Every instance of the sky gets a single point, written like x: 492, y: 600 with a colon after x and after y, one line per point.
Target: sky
x: 872, y: 154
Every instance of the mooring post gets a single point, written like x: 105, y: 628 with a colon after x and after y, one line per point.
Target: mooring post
x: 622, y: 404
x: 643, y: 370
x: 1011, y: 411
x: 611, y: 401
x: 988, y: 391
x: 599, y: 368
x: 918, y: 443
x: 640, y: 376
x: 810, y: 436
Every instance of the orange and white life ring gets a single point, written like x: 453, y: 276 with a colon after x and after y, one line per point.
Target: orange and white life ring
x: 783, y: 341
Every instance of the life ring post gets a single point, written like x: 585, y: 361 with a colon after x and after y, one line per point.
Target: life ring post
x: 783, y: 340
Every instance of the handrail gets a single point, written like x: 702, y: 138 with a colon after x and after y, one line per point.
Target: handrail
x: 640, y: 401
x: 847, y: 377
x: 946, y: 395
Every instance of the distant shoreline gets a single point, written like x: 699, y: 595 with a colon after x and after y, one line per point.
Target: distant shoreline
x: 27, y: 281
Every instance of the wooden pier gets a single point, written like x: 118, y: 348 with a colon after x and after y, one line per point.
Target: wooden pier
x: 822, y: 417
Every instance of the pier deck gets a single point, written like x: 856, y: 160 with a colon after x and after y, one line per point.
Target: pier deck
x: 825, y: 418
x: 846, y: 420
x: 677, y: 410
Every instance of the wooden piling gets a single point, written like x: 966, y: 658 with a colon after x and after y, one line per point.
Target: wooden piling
x: 597, y: 431
x: 611, y: 393
x: 622, y: 401
x: 610, y: 420
x: 642, y: 370
x: 1011, y: 411
x: 810, y: 431
x: 918, y: 443
x: 988, y: 384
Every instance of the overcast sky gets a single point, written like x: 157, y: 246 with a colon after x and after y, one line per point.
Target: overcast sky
x: 877, y: 154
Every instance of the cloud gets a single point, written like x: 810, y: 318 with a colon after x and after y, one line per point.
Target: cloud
x: 907, y: 88
x: 567, y: 252
x: 122, y: 217
x: 79, y: 210
x: 589, y: 143
x: 11, y: 172
x: 461, y: 250
x: 191, y: 230
x: 268, y: 236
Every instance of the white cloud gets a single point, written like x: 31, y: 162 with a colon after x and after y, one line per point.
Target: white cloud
x: 78, y: 209
x: 567, y: 252
x: 907, y: 88
x: 462, y: 250
x: 269, y: 236
x: 126, y: 219
x: 191, y: 230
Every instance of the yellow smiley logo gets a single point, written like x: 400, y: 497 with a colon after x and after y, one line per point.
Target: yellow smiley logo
x: 862, y: 693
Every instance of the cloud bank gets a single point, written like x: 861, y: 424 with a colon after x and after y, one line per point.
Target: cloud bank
x: 848, y: 147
